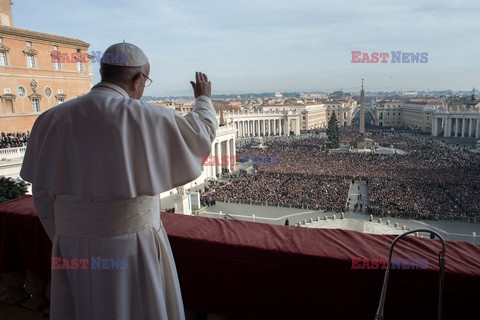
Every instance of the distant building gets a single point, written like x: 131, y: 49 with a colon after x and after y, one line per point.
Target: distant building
x: 315, y: 115
x: 414, y: 114
x: 387, y: 113
x: 344, y: 109
x: 314, y: 95
x: 30, y: 82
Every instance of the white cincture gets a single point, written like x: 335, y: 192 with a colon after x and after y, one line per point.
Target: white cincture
x: 106, y: 218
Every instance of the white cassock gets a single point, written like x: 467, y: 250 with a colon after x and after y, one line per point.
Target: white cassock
x: 97, y: 165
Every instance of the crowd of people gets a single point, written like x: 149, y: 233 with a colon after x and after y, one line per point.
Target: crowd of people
x: 285, y: 190
x: 14, y: 140
x: 432, y: 181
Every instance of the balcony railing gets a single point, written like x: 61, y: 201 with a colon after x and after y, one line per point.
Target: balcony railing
x: 12, y: 153
x: 252, y: 270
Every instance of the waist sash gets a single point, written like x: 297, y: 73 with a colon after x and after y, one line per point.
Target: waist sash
x: 106, y: 219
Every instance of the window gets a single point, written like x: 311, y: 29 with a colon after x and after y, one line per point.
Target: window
x: 80, y: 66
x: 30, y: 61
x: 55, y: 48
x: 61, y: 97
x: 21, y: 91
x: 1, y: 39
x: 57, y: 65
x: 35, y: 105
x: 3, y: 58
x: 29, y: 44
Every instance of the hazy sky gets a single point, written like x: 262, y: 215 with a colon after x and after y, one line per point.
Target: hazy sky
x: 282, y: 45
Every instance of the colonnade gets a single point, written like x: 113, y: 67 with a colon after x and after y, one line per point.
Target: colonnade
x: 261, y: 127
x: 456, y: 125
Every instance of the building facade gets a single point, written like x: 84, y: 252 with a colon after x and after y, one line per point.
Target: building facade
x: 414, y: 114
x: 32, y: 80
x: 315, y: 115
x: 344, y: 110
x: 388, y: 114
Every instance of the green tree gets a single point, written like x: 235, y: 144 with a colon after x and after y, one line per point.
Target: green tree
x: 12, y: 189
x: 333, y: 132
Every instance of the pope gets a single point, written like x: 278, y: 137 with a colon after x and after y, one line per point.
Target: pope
x: 97, y: 164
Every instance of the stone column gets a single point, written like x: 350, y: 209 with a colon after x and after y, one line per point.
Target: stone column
x: 470, y: 127
x: 463, y: 127
x: 229, y: 165
x: 218, y: 153
x: 233, y: 151
x: 274, y: 127
x: 477, y: 129
x: 457, y: 124
x: 264, y: 127
x: 446, y: 128
x: 212, y: 166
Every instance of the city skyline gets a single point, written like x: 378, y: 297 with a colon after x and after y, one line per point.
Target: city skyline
x: 253, y: 47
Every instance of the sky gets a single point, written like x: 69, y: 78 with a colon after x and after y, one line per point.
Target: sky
x: 254, y: 46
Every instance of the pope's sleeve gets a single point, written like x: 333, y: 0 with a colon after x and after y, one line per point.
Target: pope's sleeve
x: 174, y: 154
x: 44, y: 207
x: 199, y: 126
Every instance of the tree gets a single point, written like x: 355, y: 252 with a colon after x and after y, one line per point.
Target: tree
x: 333, y: 133
x: 12, y: 189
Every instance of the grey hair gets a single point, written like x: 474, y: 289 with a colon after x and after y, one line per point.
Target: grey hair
x: 120, y: 74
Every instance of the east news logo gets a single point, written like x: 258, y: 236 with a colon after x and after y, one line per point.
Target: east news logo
x: 395, y: 57
x: 83, y: 57
x: 94, y: 263
x: 382, y: 263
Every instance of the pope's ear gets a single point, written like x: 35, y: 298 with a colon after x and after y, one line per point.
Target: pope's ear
x: 136, y: 79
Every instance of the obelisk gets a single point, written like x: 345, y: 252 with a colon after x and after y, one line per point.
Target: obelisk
x: 362, y: 111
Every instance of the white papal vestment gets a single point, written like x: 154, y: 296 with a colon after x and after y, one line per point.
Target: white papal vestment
x: 97, y: 165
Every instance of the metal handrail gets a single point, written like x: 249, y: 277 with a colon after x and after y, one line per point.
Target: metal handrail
x: 441, y: 263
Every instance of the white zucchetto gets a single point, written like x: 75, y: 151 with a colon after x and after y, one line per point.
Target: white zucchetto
x: 125, y: 55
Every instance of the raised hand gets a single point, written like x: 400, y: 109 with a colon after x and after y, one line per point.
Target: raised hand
x: 202, y: 86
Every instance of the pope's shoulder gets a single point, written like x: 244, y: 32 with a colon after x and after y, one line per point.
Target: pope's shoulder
x: 90, y: 100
